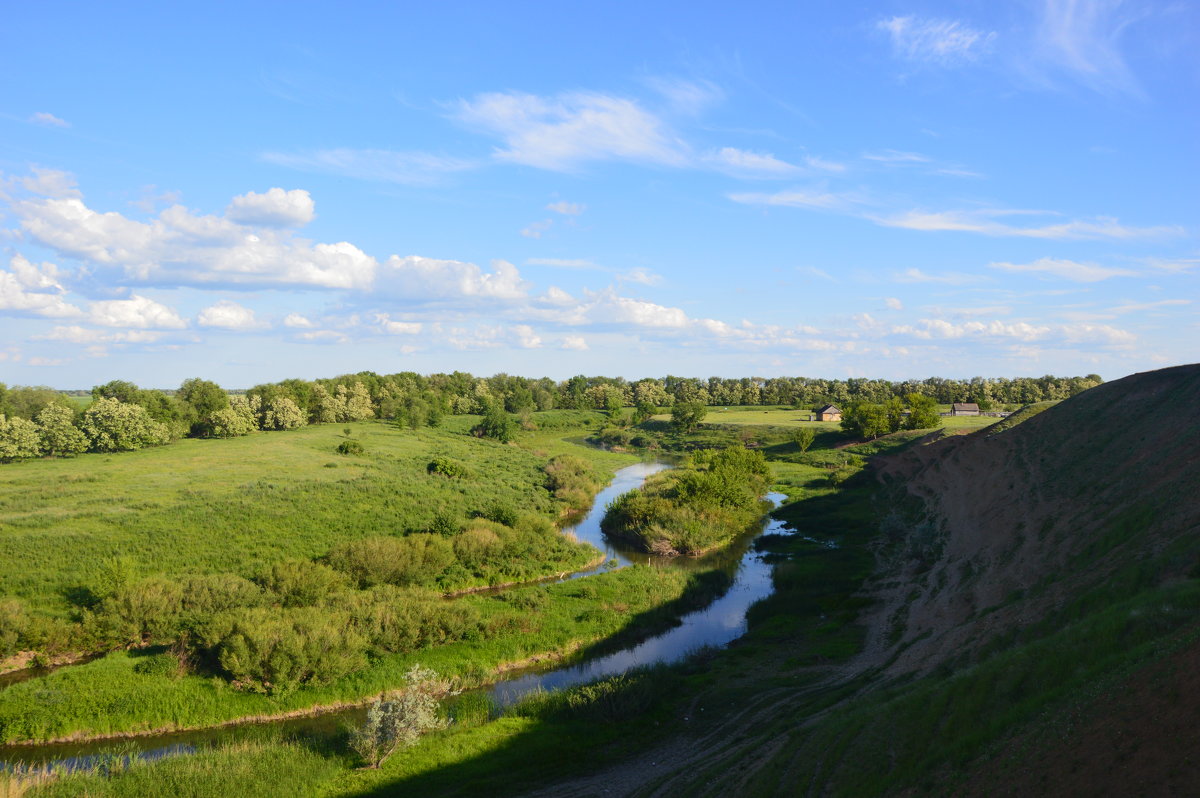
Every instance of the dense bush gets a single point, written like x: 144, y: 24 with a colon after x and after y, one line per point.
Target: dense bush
x: 411, y: 560
x: 301, y: 583
x: 276, y: 650
x: 447, y: 467
x: 350, y: 447
x: 115, y: 426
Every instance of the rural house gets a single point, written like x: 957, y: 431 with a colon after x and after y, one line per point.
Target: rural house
x: 964, y: 409
x: 829, y: 413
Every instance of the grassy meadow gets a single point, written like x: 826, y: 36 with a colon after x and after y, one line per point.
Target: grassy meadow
x: 235, y: 505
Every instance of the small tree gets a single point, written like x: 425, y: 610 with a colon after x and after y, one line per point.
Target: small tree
x: 18, y: 439
x: 804, y: 438
x: 496, y: 424
x: 398, y: 721
x: 923, y: 412
x: 686, y: 416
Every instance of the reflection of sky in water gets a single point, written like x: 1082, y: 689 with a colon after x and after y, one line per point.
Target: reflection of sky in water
x: 588, y: 529
x: 716, y: 625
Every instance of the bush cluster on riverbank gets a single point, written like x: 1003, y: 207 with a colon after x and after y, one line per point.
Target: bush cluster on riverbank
x: 713, y: 497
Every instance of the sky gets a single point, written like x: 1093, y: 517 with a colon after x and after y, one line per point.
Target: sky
x: 248, y: 192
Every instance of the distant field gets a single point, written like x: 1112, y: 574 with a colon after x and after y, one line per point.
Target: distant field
x: 198, y: 506
x: 787, y: 417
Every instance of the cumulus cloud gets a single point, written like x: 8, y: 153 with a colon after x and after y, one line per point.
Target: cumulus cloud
x: 415, y: 277
x: 183, y: 248
x: 892, y: 303
x: 275, y: 208
x: 574, y: 342
x: 229, y: 315
x: 939, y: 41
x: 296, y: 320
x: 1101, y: 334
x: 525, y: 336
x: 33, y: 289
x: 563, y: 132
x: 1080, y: 272
x: 387, y: 325
x: 138, y: 312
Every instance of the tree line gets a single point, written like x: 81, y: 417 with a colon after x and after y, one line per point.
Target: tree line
x: 39, y: 421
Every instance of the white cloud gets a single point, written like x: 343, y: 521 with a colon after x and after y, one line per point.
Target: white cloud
x: 387, y: 325
x: 949, y: 278
x: 296, y: 320
x: 745, y: 162
x: 1139, y: 307
x: 563, y: 132
x: 939, y: 41
x: 796, y: 198
x: 137, y: 311
x: 526, y: 337
x: 1066, y: 269
x: 574, y: 342
x: 414, y: 277
x: 1074, y: 334
x: 33, y: 289
x: 184, y: 248
x: 567, y: 208
x: 984, y: 222
x: 49, y: 183
x: 813, y: 162
x: 48, y: 119
x: 565, y: 263
x: 228, y: 315
x: 75, y: 334
x: 640, y: 275
x: 275, y: 208
x: 893, y: 304
x: 1082, y: 39
x: 536, y: 229
x: 896, y: 157
x: 687, y: 96
x: 325, y: 337
x: 47, y: 361
x: 385, y: 166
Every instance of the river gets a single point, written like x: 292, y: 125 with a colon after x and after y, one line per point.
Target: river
x: 717, y: 624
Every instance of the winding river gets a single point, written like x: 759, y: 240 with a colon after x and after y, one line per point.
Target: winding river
x: 717, y: 624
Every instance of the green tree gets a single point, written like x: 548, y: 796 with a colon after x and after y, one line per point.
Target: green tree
x: 58, y: 434
x: 496, y: 424
x: 205, y: 399
x: 19, y: 439
x: 804, y: 438
x: 866, y: 420
x: 115, y: 426
x: 923, y: 413
x: 686, y: 416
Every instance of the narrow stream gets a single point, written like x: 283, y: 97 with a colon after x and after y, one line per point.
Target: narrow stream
x: 717, y: 624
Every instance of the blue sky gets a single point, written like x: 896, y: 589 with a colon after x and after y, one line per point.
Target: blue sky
x: 248, y: 192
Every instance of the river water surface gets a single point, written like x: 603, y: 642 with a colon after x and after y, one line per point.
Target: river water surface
x: 717, y: 624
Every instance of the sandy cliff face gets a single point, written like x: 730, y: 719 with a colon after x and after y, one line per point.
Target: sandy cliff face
x: 1010, y: 526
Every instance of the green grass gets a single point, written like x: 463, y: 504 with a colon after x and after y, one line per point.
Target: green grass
x: 201, y: 506
x: 109, y: 696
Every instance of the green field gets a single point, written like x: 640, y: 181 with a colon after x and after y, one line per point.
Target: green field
x: 237, y: 505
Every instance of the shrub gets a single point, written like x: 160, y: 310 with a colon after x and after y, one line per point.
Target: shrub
x: 275, y: 650
x: 447, y: 467
x: 501, y: 513
x: 159, y: 665
x: 300, y: 583
x: 115, y: 426
x: 350, y: 447
x: 141, y: 612
x: 398, y: 561
x: 400, y: 720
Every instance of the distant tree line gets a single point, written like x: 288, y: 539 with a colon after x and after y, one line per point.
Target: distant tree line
x: 39, y: 421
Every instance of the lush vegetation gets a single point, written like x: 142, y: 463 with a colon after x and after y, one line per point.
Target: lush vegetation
x: 711, y: 498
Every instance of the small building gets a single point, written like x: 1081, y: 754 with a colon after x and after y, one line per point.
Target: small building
x: 829, y: 413
x: 964, y: 409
